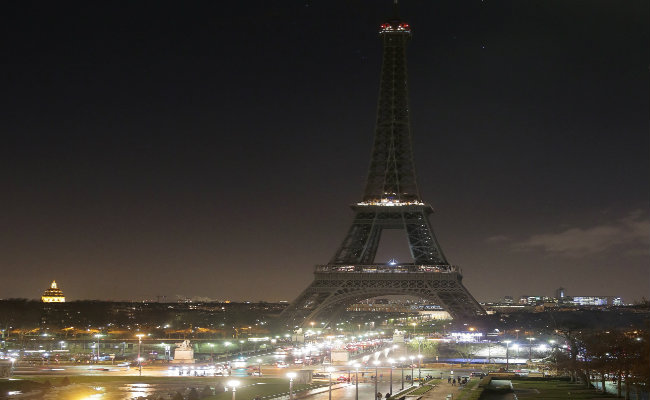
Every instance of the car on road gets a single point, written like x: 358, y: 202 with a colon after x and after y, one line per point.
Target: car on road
x: 478, y: 374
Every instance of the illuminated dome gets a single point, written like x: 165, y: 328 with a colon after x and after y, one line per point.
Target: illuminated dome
x: 53, y: 294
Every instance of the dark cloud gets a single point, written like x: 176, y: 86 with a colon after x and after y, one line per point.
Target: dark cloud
x: 630, y: 234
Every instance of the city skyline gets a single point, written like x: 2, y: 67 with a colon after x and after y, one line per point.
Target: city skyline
x: 505, y: 298
x: 169, y: 154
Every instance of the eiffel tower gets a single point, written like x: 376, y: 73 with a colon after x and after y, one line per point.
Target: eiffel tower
x: 391, y: 200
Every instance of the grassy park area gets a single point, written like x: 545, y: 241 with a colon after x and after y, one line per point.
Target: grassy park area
x: 471, y: 391
x: 552, y: 389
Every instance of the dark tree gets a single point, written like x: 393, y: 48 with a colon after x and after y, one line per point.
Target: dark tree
x: 177, y: 396
x: 206, y: 392
x: 193, y: 395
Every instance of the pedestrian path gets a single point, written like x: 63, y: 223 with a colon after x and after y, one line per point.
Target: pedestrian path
x: 320, y: 390
x: 441, y: 392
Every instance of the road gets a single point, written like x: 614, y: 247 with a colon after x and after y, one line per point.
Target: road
x: 366, y: 391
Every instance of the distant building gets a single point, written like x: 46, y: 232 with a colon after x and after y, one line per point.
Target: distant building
x: 535, y: 300
x: 508, y: 300
x: 53, y: 294
x: 596, y: 301
x: 559, y: 293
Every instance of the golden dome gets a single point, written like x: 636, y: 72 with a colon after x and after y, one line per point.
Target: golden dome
x: 53, y: 294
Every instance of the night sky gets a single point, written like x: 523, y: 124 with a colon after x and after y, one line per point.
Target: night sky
x: 212, y: 148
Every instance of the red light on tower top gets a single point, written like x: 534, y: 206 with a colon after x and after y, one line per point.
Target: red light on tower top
x: 395, y: 23
x: 395, y: 26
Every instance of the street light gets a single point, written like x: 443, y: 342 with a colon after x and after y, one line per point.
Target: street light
x: 356, y: 381
x: 211, y: 351
x: 99, y: 338
x: 489, y: 352
x: 167, y: 351
x: 402, y: 359
x: 507, y: 342
x: 227, y: 344
x: 419, y: 339
x: 330, y: 370
x: 376, y: 362
x: 554, y: 350
x: 419, y: 367
x: 140, y: 335
x: 259, y: 366
x: 13, y: 360
x: 390, y: 364
x: 291, y: 375
x: 233, y: 384
x: 411, y: 357
x: 530, y: 348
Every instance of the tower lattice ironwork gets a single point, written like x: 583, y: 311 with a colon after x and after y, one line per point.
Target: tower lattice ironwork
x: 391, y: 200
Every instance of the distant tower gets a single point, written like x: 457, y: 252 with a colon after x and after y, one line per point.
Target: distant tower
x: 559, y: 293
x: 53, y: 294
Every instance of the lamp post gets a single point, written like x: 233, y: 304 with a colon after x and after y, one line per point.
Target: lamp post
x: 530, y: 348
x: 211, y: 352
x: 233, y: 385
x: 376, y: 362
x: 402, y: 359
x: 554, y: 350
x: 259, y: 366
x: 227, y: 344
x: 167, y: 352
x: 139, y: 335
x: 356, y: 381
x: 99, y: 338
x: 330, y: 370
x: 411, y: 357
x: 291, y: 375
x: 507, y: 342
x: 489, y: 352
x: 419, y: 367
x: 390, y: 365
